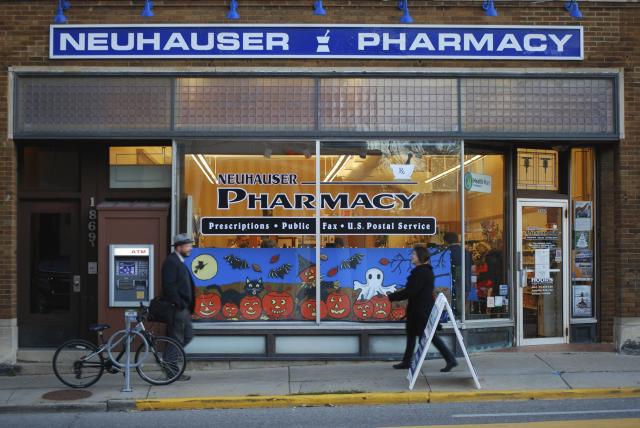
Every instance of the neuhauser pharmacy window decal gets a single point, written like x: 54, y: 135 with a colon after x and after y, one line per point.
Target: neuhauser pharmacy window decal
x: 316, y: 41
x: 227, y: 197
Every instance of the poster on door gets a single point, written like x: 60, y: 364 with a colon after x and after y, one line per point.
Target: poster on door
x: 582, y: 302
x: 582, y: 215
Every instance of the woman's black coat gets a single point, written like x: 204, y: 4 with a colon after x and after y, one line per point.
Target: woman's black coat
x: 419, y: 293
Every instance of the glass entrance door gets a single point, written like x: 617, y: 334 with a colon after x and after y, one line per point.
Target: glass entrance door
x: 542, y: 249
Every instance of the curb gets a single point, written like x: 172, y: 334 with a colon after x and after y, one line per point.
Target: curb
x: 376, y: 398
x: 319, y: 400
x: 54, y: 407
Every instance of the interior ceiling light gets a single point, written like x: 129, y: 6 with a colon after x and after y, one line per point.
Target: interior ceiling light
x: 450, y: 170
x: 205, y: 168
x: 489, y: 8
x: 342, y: 161
x: 318, y: 8
x: 233, y: 10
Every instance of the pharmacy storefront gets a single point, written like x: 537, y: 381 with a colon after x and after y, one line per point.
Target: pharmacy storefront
x: 306, y: 187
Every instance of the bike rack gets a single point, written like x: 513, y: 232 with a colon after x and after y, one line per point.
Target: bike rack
x: 130, y: 316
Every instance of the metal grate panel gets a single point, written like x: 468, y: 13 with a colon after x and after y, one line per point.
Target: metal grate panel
x: 388, y: 105
x: 245, y: 103
x: 537, y: 105
x: 93, y: 105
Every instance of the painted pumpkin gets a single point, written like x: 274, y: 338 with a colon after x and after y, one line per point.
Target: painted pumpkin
x: 207, y: 305
x: 363, y: 310
x: 250, y: 307
x: 381, y: 307
x: 308, y: 309
x: 277, y: 305
x: 338, y: 305
x: 398, y: 313
x: 230, y: 310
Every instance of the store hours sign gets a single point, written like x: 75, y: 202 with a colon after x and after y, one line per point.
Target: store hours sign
x: 316, y: 41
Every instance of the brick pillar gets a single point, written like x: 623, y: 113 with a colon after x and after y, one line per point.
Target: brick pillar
x: 8, y: 234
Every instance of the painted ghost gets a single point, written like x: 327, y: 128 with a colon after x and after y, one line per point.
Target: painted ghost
x: 373, y: 286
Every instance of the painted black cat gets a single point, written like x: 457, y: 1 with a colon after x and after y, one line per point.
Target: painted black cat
x: 253, y: 287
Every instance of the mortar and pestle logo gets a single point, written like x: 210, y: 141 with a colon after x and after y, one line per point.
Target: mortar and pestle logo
x: 323, y: 43
x: 403, y: 171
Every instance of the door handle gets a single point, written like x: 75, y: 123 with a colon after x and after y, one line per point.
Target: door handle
x: 522, y: 273
x: 76, y: 283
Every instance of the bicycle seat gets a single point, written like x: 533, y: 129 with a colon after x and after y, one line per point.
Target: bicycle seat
x: 98, y: 327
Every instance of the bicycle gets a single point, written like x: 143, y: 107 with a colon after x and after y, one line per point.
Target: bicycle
x: 86, y: 362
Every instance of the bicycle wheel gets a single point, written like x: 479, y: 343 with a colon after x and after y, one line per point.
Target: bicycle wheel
x: 78, y: 364
x: 165, y: 362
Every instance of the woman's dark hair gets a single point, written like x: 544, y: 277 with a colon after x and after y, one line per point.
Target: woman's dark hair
x: 422, y: 253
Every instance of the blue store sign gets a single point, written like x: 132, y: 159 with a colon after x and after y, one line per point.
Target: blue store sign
x: 316, y: 41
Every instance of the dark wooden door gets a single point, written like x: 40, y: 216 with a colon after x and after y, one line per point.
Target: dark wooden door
x: 48, y: 272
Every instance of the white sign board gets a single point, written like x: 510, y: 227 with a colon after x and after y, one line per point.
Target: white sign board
x: 427, y: 336
x: 543, y: 264
x: 477, y: 182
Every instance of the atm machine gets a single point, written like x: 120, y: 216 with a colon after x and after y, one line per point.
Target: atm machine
x: 130, y: 275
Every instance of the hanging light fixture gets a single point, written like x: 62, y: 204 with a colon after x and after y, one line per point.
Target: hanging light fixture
x: 147, y: 12
x: 574, y: 10
x: 318, y: 8
x: 403, y: 5
x: 489, y: 8
x: 233, y: 10
x: 60, y: 18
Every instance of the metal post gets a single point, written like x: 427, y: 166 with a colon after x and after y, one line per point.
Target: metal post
x: 129, y: 317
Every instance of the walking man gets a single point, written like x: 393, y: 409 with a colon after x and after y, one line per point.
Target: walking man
x: 178, y: 288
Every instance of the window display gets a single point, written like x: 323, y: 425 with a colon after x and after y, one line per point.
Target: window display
x: 255, y: 208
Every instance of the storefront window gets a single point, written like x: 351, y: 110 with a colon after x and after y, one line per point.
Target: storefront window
x: 487, y: 290
x: 140, y: 167
x: 582, y: 248
x: 256, y: 207
x: 251, y: 206
x: 537, y: 169
x: 394, y: 186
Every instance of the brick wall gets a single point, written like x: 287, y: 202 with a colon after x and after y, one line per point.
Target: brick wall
x: 612, y: 32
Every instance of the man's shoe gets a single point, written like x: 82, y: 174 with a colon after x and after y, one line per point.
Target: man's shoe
x: 449, y: 366
x: 184, y: 377
x: 401, y: 366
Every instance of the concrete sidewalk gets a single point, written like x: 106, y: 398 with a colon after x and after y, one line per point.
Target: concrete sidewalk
x: 505, y: 373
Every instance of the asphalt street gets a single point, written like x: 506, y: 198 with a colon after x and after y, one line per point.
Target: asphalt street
x: 358, y: 416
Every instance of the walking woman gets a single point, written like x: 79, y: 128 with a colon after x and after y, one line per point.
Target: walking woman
x: 419, y: 293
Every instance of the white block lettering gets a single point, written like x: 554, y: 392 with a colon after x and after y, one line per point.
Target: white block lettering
x: 117, y: 47
x: 196, y: 46
x: 387, y: 41
x: 252, y: 42
x: 66, y: 38
x: 228, y: 41
x: 366, y: 40
x: 509, y: 42
x: 452, y: 40
x: 176, y: 41
x: 422, y: 41
x: 486, y: 42
x: 560, y: 42
x: 98, y: 42
x: 280, y: 40
x: 538, y: 47
x: 154, y: 41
